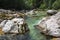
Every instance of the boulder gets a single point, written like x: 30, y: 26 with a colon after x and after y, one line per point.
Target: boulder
x: 16, y: 25
x: 50, y: 25
x: 51, y: 12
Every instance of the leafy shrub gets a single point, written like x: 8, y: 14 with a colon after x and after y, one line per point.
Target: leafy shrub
x: 42, y: 6
x: 28, y: 4
x: 56, y: 4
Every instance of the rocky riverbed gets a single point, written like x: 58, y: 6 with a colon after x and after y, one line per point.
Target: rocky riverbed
x: 31, y: 20
x: 33, y: 34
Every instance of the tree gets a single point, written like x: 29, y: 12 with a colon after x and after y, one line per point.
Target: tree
x: 56, y: 4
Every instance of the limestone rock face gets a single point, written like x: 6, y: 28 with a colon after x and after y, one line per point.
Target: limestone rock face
x: 51, y: 12
x: 16, y: 25
x: 50, y: 25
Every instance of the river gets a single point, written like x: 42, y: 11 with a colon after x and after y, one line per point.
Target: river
x: 34, y: 33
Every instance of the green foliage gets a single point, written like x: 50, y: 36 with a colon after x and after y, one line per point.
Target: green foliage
x: 56, y: 4
x: 42, y: 6
x: 30, y: 4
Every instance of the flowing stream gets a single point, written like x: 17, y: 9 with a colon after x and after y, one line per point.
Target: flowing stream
x: 35, y: 33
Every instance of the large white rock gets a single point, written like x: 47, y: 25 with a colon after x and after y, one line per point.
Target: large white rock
x: 11, y: 25
x: 50, y: 25
x: 16, y: 25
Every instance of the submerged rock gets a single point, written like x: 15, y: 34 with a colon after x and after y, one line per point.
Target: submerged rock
x: 26, y: 36
x: 50, y: 25
x: 51, y: 12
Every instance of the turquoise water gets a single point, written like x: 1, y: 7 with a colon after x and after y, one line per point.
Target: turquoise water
x: 35, y: 33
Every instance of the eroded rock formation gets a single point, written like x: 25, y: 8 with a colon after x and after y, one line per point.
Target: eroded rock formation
x: 15, y: 25
x: 50, y: 25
